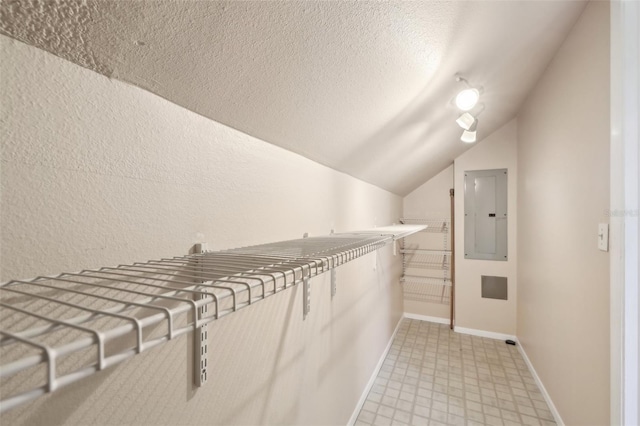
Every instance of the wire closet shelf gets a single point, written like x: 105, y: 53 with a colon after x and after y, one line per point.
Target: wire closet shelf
x: 432, y: 225
x: 426, y: 259
x: 422, y: 265
x: 56, y: 330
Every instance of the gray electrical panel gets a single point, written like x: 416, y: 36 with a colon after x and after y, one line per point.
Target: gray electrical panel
x: 485, y: 214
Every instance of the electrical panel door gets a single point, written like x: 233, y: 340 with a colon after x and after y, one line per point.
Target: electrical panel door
x: 485, y: 214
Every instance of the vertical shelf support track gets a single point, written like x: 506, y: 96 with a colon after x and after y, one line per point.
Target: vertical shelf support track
x: 200, y: 349
x: 306, y: 292
x: 334, y: 283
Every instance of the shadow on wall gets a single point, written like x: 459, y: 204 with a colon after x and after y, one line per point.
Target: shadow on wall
x: 335, y: 350
x: 275, y: 372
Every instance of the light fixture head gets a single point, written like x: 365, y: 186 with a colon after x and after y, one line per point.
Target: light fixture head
x: 467, y: 99
x: 466, y: 121
x: 468, y: 136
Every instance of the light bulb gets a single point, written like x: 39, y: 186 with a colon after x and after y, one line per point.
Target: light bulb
x: 466, y: 120
x: 467, y: 99
x: 468, y: 137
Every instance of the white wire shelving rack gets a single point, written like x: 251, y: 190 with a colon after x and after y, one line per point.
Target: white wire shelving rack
x: 57, y: 330
x: 426, y: 259
x: 427, y: 271
x: 429, y: 289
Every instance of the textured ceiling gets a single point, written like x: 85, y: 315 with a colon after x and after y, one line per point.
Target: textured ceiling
x: 362, y: 87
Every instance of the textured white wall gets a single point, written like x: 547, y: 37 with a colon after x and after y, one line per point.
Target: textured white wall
x: 497, y: 151
x: 96, y: 172
x: 563, y: 193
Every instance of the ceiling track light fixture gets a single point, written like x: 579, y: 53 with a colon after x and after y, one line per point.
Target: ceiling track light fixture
x: 466, y: 100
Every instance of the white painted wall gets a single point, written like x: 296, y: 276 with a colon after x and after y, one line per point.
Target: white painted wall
x: 96, y: 172
x: 430, y: 201
x: 563, y: 193
x: 497, y: 151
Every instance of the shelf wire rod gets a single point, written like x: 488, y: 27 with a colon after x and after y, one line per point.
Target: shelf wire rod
x: 284, y: 266
x: 144, y: 322
x: 138, y: 303
x: 164, y: 295
x: 306, y: 243
x: 167, y: 312
x: 190, y: 302
x: 280, y: 268
x: 244, y: 273
x: 357, y: 243
x: 49, y: 353
x: 426, y: 251
x: 247, y: 265
x: 253, y: 256
x: 157, y: 271
x: 219, y: 273
x: 97, y: 335
x: 81, y: 344
x: 301, y: 263
x: 187, y: 289
x: 219, y: 297
x: 210, y: 277
x: 254, y: 261
x: 305, y: 262
x: 285, y: 257
x: 233, y: 290
x: 297, y: 251
x: 234, y: 271
x: 67, y: 379
x: 95, y: 313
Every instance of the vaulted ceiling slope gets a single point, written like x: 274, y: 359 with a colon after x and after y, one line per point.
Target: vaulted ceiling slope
x: 363, y: 87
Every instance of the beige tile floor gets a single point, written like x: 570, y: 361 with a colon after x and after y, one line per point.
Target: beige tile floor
x: 433, y: 376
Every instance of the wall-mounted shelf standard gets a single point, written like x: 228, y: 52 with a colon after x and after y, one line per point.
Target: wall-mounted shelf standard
x: 56, y: 330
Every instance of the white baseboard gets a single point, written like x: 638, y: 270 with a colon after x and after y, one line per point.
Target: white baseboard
x: 374, y: 375
x: 483, y: 333
x: 463, y: 330
x: 437, y: 320
x: 547, y: 397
